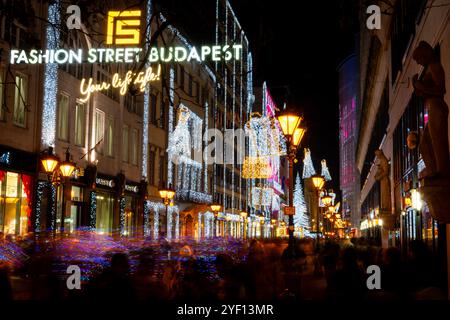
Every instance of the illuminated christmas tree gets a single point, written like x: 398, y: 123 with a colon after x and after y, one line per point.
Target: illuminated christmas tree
x: 308, y: 167
x: 325, y: 172
x: 301, y: 218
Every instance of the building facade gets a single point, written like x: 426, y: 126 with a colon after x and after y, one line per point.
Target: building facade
x: 390, y: 112
x: 348, y: 121
x: 126, y: 144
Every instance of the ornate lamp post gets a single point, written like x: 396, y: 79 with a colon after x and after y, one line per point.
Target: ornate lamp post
x: 167, y: 194
x: 51, y: 164
x: 289, y: 122
x: 318, y: 182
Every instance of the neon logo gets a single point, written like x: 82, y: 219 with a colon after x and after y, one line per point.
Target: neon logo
x: 123, y: 27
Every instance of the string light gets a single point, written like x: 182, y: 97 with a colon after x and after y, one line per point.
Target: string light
x: 145, y: 118
x: 41, y: 185
x: 50, y: 77
x: 92, y: 209
x: 172, y: 97
x: 308, y: 167
x: 122, y: 216
x: 301, y: 218
x: 325, y: 172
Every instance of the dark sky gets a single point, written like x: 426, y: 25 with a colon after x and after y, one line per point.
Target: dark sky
x: 297, y: 47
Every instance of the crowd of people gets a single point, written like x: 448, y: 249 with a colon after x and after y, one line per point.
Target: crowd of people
x: 261, y: 270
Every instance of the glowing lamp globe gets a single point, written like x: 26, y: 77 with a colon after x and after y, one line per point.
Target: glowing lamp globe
x: 298, y: 136
x: 67, y: 167
x: 49, y: 161
x: 216, y: 207
x: 318, y: 181
x: 289, y: 121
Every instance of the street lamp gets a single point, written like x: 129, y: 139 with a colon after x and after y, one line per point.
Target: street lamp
x: 49, y: 161
x: 290, y: 125
x: 318, y: 182
x: 167, y: 194
x: 55, y: 170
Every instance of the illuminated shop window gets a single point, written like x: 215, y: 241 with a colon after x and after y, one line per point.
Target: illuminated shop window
x: 14, y: 200
x: 80, y: 124
x: 104, y: 218
x: 110, y: 136
x: 20, y: 100
x: 63, y: 118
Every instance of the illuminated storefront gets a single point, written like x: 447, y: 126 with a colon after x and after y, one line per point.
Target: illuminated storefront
x: 15, y: 202
x: 17, y: 184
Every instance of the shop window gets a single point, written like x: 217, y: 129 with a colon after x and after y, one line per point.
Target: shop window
x: 130, y: 215
x: 15, y: 202
x: 2, y: 88
x: 134, y: 146
x: 63, y: 118
x: 104, y: 213
x: 110, y: 136
x: 99, y: 130
x: 153, y: 100
x: 80, y: 124
x: 125, y: 132
x: 20, y: 100
x: 76, y: 194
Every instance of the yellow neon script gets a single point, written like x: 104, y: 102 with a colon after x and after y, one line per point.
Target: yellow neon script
x: 87, y: 87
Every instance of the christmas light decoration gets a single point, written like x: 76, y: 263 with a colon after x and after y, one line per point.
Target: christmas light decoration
x: 325, y: 172
x: 308, y: 167
x: 41, y: 185
x: 256, y: 167
x: 145, y: 119
x: 48, y: 130
x: 262, y: 196
x: 92, y: 209
x: 301, y: 218
x: 122, y: 216
x: 146, y: 218
x: 171, y: 103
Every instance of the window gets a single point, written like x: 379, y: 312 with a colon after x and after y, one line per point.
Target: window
x: 161, y: 169
x: 153, y: 99
x: 125, y: 131
x: 151, y: 173
x: 134, y: 146
x: 181, y: 78
x: 80, y: 124
x: 110, y: 136
x: 20, y: 100
x: 190, y: 86
x: 162, y: 113
x: 2, y: 80
x: 63, y: 118
x: 99, y: 129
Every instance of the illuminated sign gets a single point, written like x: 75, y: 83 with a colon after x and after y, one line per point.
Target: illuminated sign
x: 123, y: 27
x: 126, y: 55
x: 87, y: 87
x: 105, y: 182
x: 131, y: 188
